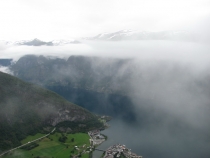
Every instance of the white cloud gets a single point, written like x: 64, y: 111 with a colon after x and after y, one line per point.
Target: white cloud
x: 195, y: 54
x: 15, y: 52
x: 50, y: 19
x: 5, y: 70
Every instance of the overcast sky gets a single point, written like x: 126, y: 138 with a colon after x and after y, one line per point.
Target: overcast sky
x: 65, y: 19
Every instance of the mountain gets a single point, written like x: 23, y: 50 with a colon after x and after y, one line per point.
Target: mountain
x: 77, y: 71
x: 112, y: 36
x: 91, y: 82
x: 142, y: 35
x: 37, y: 42
x: 29, y: 109
x: 5, y: 62
x: 34, y: 42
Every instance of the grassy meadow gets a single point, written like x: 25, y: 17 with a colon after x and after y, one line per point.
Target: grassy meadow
x: 51, y: 147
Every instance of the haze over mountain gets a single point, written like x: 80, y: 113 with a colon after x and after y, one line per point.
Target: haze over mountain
x: 157, y: 90
x: 29, y: 109
x: 37, y: 42
x: 121, y: 35
x: 152, y: 100
x: 154, y: 80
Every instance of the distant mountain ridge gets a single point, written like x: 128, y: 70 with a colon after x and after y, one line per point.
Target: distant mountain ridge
x: 142, y: 35
x: 5, y: 62
x: 112, y: 36
x: 37, y: 42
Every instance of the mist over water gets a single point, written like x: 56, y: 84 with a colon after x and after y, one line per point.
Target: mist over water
x: 172, y: 108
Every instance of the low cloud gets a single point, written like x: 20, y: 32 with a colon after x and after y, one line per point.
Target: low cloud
x: 167, y: 81
x: 185, y: 52
x: 16, y: 52
x: 6, y: 70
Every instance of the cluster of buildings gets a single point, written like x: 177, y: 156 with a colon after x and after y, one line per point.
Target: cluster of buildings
x: 95, y: 137
x: 94, y: 132
x: 119, y: 151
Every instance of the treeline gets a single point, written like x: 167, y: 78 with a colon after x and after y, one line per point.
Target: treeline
x: 10, y: 136
x: 63, y: 138
x: 84, y: 126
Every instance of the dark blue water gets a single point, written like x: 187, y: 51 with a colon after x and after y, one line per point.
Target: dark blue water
x: 155, y: 141
x: 116, y: 134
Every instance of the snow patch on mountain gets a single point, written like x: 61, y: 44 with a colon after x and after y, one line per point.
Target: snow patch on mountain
x: 142, y: 35
x: 37, y: 42
x: 64, y: 42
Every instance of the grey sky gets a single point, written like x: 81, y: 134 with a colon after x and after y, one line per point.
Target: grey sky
x: 64, y: 19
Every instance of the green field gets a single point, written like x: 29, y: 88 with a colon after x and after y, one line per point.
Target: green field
x: 51, y: 147
x: 30, y: 138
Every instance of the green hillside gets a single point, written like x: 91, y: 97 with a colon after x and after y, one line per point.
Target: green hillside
x: 29, y: 109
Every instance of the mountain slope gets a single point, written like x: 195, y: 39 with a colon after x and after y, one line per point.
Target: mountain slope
x: 28, y: 109
x: 90, y: 73
x: 97, y: 84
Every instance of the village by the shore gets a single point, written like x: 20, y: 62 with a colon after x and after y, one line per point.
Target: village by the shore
x: 96, y: 137
x: 115, y: 151
x: 120, y: 151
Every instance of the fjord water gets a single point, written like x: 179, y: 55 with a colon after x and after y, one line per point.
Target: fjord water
x: 158, y: 143
x: 117, y: 134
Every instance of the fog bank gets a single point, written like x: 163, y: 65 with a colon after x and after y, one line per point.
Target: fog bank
x: 151, y: 49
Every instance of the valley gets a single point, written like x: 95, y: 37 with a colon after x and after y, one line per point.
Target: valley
x: 143, y: 98
x: 68, y: 67
x: 58, y: 144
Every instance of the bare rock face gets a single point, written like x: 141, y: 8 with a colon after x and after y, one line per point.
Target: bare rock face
x: 63, y: 115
